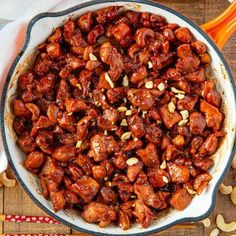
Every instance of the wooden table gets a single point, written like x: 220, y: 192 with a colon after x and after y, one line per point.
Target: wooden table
x: 16, y: 201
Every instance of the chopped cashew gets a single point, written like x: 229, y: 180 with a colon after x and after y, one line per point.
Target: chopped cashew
x: 79, y: 144
x: 163, y: 165
x: 92, y: 57
x: 105, y: 132
x: 125, y: 82
x: 109, y: 81
x: 125, y: 136
x: 131, y: 161
x: 121, y: 109
x: 128, y: 112
x: 161, y: 86
x: 165, y: 180
x: 225, y: 227
x: 225, y: 189
x: 206, y: 222
x: 171, y: 107
x: 149, y: 84
x: 183, y: 122
x: 184, y: 114
x: 7, y: 182
x: 79, y: 86
x: 174, y: 90
x: 150, y: 65
x: 233, y: 195
x: 179, y: 96
x: 124, y: 122
x: 214, y: 232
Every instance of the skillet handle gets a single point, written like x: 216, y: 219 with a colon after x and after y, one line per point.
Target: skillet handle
x: 221, y: 28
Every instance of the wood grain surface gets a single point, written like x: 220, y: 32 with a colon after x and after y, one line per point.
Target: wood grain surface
x: 16, y: 201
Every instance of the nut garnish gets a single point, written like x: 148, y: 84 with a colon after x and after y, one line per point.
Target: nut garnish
x: 92, y: 57
x: 79, y: 144
x: 125, y: 136
x: 171, y: 107
x: 161, y: 86
x: 182, y: 122
x: 124, y: 122
x: 109, y: 81
x: 105, y: 132
x: 184, y: 114
x: 128, y: 112
x: 165, y: 180
x: 163, y: 165
x: 121, y: 109
x: 79, y: 86
x: 150, y: 65
x: 144, y: 113
x: 125, y: 82
x: 97, y: 103
x: 149, y: 84
x: 131, y: 161
x: 175, y: 90
x: 179, y: 96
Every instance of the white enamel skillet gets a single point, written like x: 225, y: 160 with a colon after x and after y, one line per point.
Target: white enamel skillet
x: 40, y: 27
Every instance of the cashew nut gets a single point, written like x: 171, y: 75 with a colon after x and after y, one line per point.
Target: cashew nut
x: 233, y: 195
x: 214, y: 232
x: 225, y: 189
x: 7, y: 182
x: 234, y: 162
x: 225, y: 227
x: 206, y: 222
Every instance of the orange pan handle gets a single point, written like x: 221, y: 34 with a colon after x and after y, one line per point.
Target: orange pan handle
x: 221, y: 28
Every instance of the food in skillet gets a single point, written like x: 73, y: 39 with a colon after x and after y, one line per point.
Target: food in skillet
x: 117, y: 117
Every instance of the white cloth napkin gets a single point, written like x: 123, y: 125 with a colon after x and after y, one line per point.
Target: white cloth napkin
x: 13, y: 34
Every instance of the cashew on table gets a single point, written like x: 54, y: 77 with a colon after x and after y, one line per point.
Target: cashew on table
x: 225, y: 227
x: 5, y: 181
